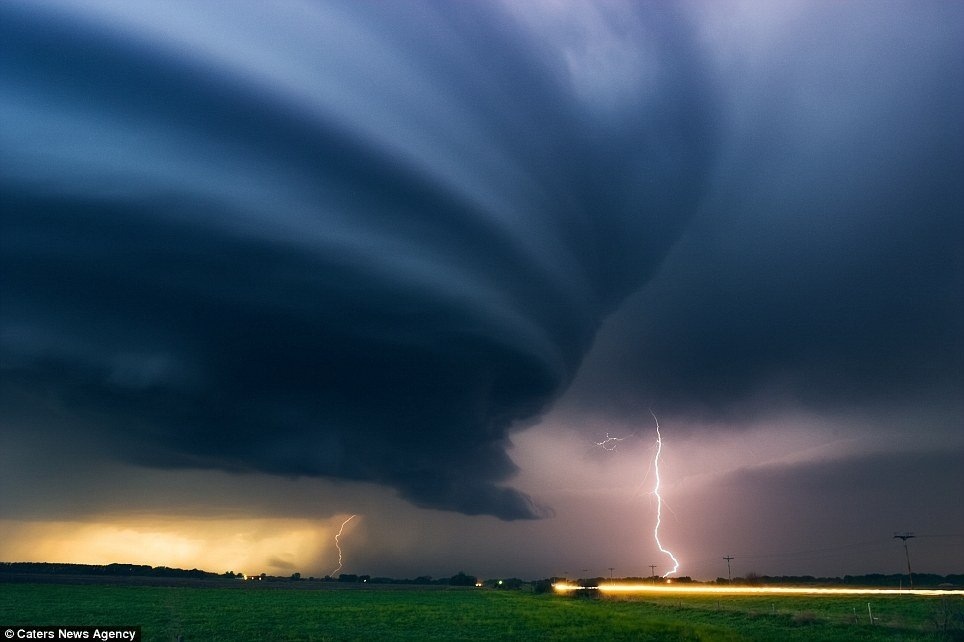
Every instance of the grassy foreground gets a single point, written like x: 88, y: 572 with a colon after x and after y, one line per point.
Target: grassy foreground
x: 171, y: 613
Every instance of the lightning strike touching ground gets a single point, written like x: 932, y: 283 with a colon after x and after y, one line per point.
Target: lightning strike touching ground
x: 338, y: 545
x: 659, y: 500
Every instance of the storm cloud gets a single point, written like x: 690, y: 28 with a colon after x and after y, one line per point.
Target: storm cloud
x: 824, y: 271
x: 356, y: 241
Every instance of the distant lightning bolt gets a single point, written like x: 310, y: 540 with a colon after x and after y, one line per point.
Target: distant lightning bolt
x: 609, y: 443
x: 659, y: 500
x: 338, y: 545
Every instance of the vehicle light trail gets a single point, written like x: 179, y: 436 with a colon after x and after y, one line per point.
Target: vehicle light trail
x: 338, y: 545
x: 659, y: 500
x: 563, y: 587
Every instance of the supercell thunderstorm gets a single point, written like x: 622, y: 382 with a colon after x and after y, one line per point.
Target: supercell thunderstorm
x: 332, y: 250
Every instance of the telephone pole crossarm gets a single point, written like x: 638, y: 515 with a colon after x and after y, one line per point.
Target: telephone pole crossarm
x: 904, y: 537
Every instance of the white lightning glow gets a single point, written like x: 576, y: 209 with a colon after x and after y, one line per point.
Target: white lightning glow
x: 659, y: 501
x: 609, y: 443
x: 338, y: 545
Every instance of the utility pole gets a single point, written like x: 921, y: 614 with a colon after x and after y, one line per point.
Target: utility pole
x: 611, y: 569
x: 904, y: 537
x: 729, y: 575
x: 652, y: 568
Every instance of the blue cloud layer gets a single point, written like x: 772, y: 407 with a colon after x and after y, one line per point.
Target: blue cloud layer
x: 356, y: 241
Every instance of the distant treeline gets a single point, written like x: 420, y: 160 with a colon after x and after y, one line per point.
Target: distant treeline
x: 459, y: 579
x: 114, y: 570
x: 143, y: 570
x: 921, y: 580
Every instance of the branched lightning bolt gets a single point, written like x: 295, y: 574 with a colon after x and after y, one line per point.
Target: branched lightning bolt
x: 659, y: 500
x: 338, y: 545
x: 609, y: 443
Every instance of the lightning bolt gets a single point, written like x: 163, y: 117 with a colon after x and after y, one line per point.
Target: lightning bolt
x: 659, y: 499
x: 609, y: 443
x: 338, y: 545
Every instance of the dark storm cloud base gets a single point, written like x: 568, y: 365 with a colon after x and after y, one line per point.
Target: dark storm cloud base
x: 215, y: 274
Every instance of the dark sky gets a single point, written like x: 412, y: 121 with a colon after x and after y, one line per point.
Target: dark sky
x: 265, y: 267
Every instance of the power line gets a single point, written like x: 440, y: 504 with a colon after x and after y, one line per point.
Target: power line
x: 829, y: 549
x: 842, y: 548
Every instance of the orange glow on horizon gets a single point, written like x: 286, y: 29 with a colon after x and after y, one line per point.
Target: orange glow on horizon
x: 252, y: 546
x: 563, y: 587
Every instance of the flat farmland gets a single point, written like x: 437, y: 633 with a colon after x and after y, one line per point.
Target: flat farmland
x: 188, y: 613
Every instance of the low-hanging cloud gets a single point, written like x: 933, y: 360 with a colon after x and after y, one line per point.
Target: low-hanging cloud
x: 359, y: 241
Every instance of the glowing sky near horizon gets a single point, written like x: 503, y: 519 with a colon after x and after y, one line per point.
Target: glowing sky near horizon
x: 266, y: 267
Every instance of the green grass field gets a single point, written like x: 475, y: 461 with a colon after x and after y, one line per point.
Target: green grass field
x: 167, y: 613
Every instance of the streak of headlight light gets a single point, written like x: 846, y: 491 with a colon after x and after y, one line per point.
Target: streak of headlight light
x: 562, y: 587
